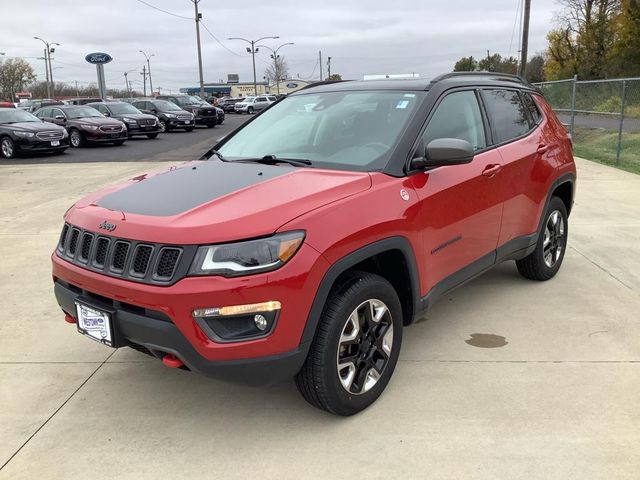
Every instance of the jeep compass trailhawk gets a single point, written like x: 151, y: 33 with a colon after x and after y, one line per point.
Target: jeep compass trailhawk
x: 308, y: 238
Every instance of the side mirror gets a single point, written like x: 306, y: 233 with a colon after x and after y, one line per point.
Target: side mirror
x: 443, y: 151
x: 60, y: 117
x: 106, y: 114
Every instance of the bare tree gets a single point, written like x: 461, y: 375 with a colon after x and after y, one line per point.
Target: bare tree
x: 15, y: 75
x: 278, y: 70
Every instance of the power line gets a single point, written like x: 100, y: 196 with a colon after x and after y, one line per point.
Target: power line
x: 164, y: 11
x: 219, y: 42
x: 515, y: 23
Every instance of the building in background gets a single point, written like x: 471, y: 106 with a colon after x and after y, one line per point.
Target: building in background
x: 237, y: 89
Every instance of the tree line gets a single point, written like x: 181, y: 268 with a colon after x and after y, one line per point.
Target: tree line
x: 593, y: 39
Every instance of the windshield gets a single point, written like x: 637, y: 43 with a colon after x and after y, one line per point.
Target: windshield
x: 122, y: 108
x: 188, y: 100
x: 13, y: 115
x: 342, y: 130
x: 83, y: 112
x: 165, y: 106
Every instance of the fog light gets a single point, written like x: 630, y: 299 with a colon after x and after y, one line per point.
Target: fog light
x: 261, y: 322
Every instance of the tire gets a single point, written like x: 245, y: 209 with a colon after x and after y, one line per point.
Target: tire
x: 76, y: 139
x: 7, y: 148
x: 188, y: 129
x: 152, y: 135
x: 250, y: 110
x: 119, y: 143
x: 163, y: 126
x: 545, y: 261
x: 352, y: 388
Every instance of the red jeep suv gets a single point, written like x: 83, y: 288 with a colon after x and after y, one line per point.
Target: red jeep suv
x: 308, y: 238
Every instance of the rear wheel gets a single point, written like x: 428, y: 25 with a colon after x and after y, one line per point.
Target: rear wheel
x: 356, y: 347
x: 152, y: 135
x: 7, y: 147
x: 76, y: 138
x: 545, y: 261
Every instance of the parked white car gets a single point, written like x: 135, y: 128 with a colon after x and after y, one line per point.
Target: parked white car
x: 254, y: 104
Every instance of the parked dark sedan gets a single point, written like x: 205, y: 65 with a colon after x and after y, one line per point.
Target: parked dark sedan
x: 227, y: 105
x: 205, y: 114
x: 137, y: 123
x: 170, y: 116
x: 85, y: 124
x: 22, y: 132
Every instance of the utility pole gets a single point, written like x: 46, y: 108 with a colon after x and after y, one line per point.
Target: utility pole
x: 320, y: 63
x: 525, y: 38
x: 198, y: 17
x: 149, y: 69
x: 144, y: 80
x: 77, y: 91
x: 253, y: 50
x: 126, y: 84
x: 328, y: 68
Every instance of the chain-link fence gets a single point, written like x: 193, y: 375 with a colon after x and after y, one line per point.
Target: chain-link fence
x: 603, y: 117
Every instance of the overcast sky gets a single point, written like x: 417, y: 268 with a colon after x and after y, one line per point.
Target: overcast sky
x: 361, y: 36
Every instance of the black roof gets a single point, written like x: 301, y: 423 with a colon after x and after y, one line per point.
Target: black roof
x: 452, y: 79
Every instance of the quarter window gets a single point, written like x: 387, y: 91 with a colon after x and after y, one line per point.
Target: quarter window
x: 532, y: 107
x: 507, y: 113
x: 457, y: 116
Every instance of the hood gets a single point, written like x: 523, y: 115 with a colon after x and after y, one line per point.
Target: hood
x: 33, y: 126
x: 214, y: 201
x: 99, y: 121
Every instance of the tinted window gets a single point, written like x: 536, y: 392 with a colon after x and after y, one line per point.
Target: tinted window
x: 508, y: 114
x: 457, y: 116
x: 273, y: 99
x: 532, y: 107
x: 54, y: 112
x: 44, y: 113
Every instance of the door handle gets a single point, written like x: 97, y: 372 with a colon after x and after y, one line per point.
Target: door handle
x: 491, y: 170
x: 542, y: 148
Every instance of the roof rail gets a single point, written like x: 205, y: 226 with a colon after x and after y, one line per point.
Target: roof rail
x: 507, y: 77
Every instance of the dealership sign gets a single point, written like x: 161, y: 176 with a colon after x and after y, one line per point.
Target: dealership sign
x: 98, y: 58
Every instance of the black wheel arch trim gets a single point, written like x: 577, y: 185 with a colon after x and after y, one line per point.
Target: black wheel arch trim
x: 344, y: 264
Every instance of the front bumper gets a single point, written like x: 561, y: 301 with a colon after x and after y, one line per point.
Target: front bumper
x: 175, y: 123
x: 207, y: 119
x: 28, y: 145
x: 98, y: 136
x: 134, y: 130
x: 160, y: 318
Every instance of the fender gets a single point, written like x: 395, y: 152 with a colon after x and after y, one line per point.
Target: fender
x: 348, y: 261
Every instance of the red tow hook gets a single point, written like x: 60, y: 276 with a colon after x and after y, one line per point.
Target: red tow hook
x: 69, y: 319
x: 172, y: 361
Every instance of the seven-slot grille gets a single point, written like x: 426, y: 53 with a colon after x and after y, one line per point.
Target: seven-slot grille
x: 147, y: 121
x: 123, y: 258
x: 50, y: 135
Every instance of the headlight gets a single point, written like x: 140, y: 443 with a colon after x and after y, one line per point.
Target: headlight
x: 89, y: 127
x: 65, y: 134
x: 25, y: 134
x: 170, y: 115
x: 245, y: 258
x: 128, y: 120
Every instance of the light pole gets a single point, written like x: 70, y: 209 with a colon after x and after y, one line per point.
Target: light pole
x: 275, y: 56
x: 47, y: 54
x: 252, y: 51
x: 149, y: 69
x: 198, y: 18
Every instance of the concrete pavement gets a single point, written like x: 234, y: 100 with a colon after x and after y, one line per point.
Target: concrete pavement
x: 558, y: 401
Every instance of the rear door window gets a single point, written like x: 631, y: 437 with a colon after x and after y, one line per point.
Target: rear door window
x: 534, y: 112
x: 507, y: 113
x: 457, y: 116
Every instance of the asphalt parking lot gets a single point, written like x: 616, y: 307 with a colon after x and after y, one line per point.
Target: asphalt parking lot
x: 558, y: 399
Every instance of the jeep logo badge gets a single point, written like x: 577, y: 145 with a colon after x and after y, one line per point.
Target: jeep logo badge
x: 110, y: 227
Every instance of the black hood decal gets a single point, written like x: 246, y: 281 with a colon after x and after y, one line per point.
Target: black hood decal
x: 187, y: 187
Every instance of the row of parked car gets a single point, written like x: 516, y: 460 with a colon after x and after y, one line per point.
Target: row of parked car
x: 55, y: 126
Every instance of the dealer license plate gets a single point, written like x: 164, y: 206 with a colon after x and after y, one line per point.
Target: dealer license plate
x: 187, y: 122
x: 55, y: 143
x: 95, y: 324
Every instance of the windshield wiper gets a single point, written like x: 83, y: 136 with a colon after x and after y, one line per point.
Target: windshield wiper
x: 272, y: 160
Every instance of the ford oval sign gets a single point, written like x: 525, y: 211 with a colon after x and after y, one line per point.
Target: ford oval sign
x: 292, y: 85
x: 98, y: 58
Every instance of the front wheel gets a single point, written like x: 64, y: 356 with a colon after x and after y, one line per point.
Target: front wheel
x: 8, y: 148
x: 545, y: 261
x: 76, y: 139
x: 356, y: 347
x: 250, y: 110
x: 163, y: 126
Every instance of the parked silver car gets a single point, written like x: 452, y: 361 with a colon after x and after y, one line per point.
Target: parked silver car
x: 254, y: 104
